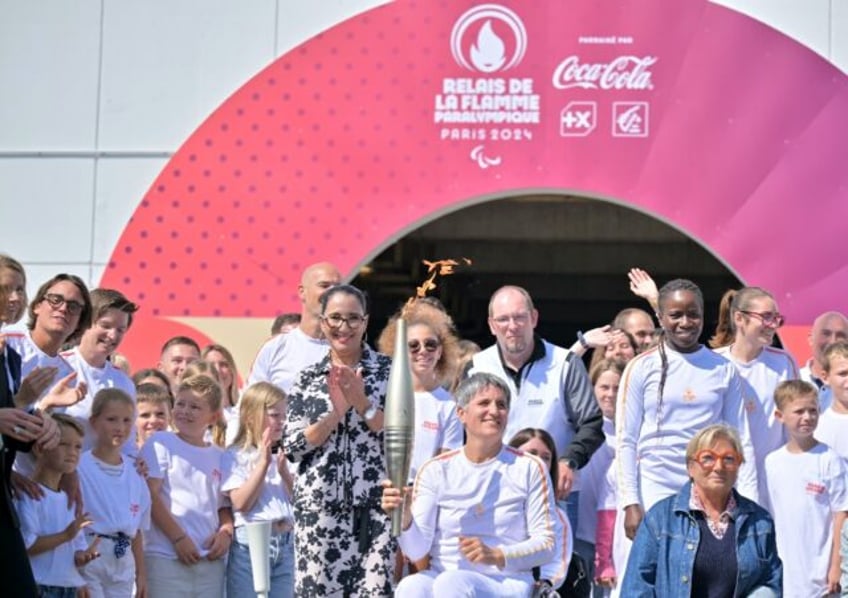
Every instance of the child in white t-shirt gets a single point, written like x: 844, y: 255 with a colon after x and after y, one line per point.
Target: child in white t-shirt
x: 153, y: 411
x: 833, y: 422
x: 117, y: 498
x: 258, y: 483
x: 808, y: 496
x: 192, y: 523
x: 50, y: 529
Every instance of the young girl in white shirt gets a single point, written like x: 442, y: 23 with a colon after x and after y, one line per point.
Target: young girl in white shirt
x: 117, y: 499
x: 747, y: 323
x: 192, y: 525
x: 258, y: 483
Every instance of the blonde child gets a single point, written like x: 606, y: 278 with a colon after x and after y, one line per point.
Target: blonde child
x: 217, y: 433
x: 258, y: 483
x: 50, y: 529
x: 117, y: 498
x: 808, y: 496
x: 834, y: 420
x: 192, y: 524
x: 153, y: 404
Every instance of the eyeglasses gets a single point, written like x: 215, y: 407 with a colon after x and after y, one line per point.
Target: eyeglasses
x: 708, y: 459
x: 336, y: 320
x: 56, y: 301
x: 520, y: 319
x: 430, y: 345
x: 768, y: 318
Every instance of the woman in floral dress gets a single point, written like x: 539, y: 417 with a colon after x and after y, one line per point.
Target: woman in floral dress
x: 334, y: 434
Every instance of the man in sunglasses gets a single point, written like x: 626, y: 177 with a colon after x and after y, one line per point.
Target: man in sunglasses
x: 549, y: 385
x: 281, y: 358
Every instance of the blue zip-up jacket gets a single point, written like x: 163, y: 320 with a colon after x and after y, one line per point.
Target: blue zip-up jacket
x: 663, y: 552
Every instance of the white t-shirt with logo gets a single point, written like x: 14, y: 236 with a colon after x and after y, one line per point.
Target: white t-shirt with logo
x: 437, y: 427
x: 97, y: 379
x: 117, y: 497
x: 191, y: 489
x: 32, y: 357
x: 50, y: 515
x: 273, y: 502
x: 760, y: 377
x: 701, y: 388
x: 805, y: 489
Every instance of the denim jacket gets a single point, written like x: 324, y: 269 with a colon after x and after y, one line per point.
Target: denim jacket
x: 663, y: 553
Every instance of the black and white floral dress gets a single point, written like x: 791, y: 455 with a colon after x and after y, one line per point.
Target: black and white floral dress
x: 342, y: 541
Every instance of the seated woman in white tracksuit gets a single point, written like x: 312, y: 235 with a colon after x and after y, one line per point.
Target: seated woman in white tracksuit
x: 482, y: 516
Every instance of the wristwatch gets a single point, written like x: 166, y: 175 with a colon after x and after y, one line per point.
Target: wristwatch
x: 369, y: 413
x: 582, y: 340
x: 572, y: 464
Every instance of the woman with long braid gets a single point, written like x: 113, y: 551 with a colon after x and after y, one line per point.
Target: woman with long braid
x: 667, y: 395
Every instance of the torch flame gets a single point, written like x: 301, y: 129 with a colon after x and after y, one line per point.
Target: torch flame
x: 435, y: 269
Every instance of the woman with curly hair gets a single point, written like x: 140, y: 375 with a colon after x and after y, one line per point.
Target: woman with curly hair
x: 433, y: 355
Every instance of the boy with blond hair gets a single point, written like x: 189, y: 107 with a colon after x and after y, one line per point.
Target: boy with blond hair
x: 192, y: 527
x: 808, y: 496
x: 834, y: 420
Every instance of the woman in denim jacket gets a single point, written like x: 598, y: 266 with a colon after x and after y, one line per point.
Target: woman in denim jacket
x: 706, y: 540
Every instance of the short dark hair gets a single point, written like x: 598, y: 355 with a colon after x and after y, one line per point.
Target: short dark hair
x: 179, y: 340
x: 151, y: 373
x: 102, y: 300
x: 284, y: 320
x: 347, y: 289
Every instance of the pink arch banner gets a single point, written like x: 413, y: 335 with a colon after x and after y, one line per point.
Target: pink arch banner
x: 688, y: 111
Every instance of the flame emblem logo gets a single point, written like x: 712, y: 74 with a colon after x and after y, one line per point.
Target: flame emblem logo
x: 488, y: 51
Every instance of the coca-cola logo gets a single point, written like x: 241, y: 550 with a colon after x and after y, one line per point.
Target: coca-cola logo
x: 623, y: 72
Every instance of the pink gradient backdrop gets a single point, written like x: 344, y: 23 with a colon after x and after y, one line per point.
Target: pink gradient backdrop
x: 331, y: 153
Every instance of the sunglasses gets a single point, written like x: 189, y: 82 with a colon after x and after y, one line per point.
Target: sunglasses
x: 768, y: 318
x: 709, y: 459
x: 430, y: 345
x: 56, y: 301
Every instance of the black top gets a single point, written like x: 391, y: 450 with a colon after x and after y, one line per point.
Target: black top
x: 715, y: 569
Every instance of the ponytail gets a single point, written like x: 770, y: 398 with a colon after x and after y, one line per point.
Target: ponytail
x: 725, y: 330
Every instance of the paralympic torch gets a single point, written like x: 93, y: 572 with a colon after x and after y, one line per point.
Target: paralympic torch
x: 399, y: 420
x: 399, y: 413
x: 259, y: 545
